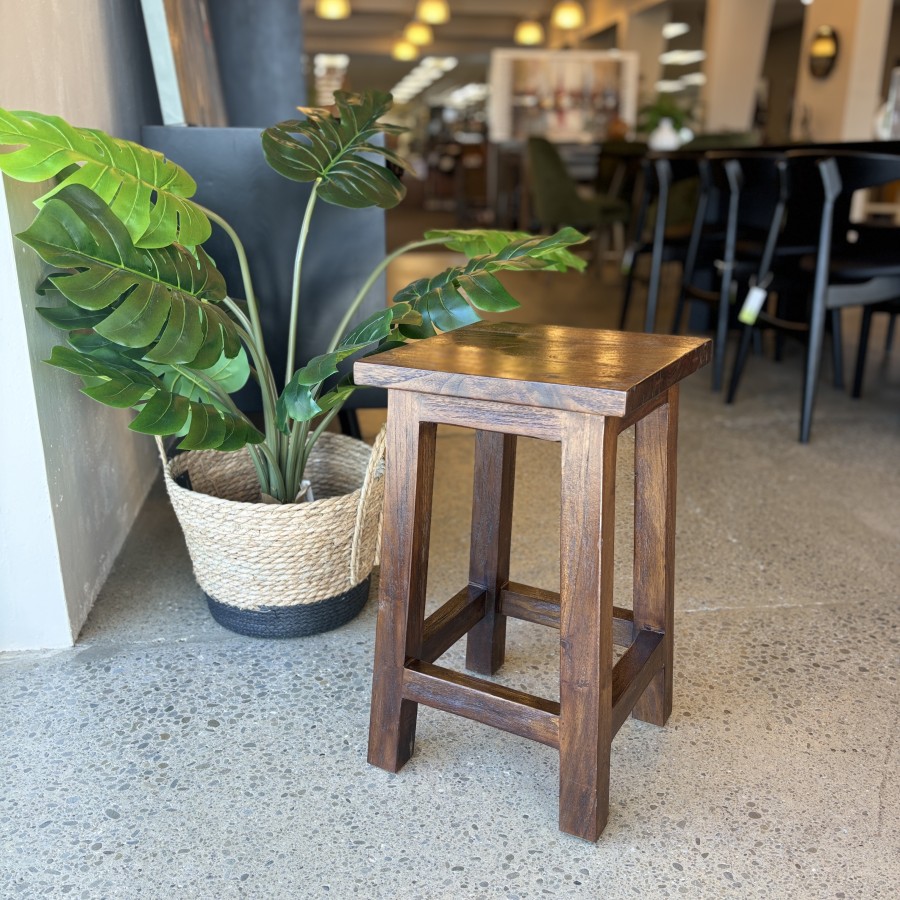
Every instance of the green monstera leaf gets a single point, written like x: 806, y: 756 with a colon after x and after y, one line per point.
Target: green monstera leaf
x: 147, y: 192
x: 120, y: 381
x: 161, y: 300
x: 336, y: 150
x: 451, y: 300
x: 481, y: 242
x: 298, y: 401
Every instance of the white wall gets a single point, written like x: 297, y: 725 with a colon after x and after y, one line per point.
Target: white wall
x: 72, y: 477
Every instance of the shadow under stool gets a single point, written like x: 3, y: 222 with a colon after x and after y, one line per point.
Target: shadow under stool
x: 580, y: 387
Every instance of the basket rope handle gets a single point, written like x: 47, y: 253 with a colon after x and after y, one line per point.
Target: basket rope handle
x: 367, y: 496
x: 161, y: 447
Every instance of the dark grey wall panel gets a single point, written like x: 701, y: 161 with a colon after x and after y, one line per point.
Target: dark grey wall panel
x: 260, y: 51
x: 266, y: 209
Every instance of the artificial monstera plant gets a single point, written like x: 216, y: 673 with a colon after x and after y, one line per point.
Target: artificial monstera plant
x: 148, y: 319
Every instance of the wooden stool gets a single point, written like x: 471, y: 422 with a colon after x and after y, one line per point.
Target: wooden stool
x: 580, y: 387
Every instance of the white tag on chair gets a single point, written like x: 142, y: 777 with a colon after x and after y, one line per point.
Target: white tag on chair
x: 627, y: 259
x: 753, y: 304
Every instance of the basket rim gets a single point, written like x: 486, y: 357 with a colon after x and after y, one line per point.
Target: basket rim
x: 283, y: 508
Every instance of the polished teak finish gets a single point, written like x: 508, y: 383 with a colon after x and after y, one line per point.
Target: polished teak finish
x: 582, y: 388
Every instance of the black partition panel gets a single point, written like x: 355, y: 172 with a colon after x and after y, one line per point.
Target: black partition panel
x: 266, y: 210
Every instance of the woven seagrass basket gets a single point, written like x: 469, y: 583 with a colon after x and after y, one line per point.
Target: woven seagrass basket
x: 272, y: 570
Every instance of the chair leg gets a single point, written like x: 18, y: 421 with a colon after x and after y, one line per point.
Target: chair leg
x: 679, y: 311
x: 409, y: 476
x: 627, y: 291
x: 492, y: 505
x: 811, y: 375
x: 837, y: 349
x: 740, y: 361
x: 889, y: 337
x: 861, y: 352
x: 349, y: 422
x: 721, y: 333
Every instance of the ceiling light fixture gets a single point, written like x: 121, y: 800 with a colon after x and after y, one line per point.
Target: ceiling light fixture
x: 567, y: 15
x: 332, y: 9
x: 418, y: 33
x: 675, y: 29
x: 682, y: 57
x: 405, y: 51
x: 429, y: 70
x: 529, y: 33
x: 433, y: 12
x: 669, y: 86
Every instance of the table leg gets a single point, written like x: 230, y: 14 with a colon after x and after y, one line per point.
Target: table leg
x: 409, y: 477
x: 587, y: 528
x: 492, y: 504
x: 655, y: 439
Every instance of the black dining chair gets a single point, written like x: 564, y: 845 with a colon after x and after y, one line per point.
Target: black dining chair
x: 669, y: 197
x: 850, y: 265
x: 735, y: 240
x: 892, y: 309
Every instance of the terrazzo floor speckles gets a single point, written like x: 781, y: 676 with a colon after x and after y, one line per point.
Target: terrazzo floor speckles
x: 165, y: 757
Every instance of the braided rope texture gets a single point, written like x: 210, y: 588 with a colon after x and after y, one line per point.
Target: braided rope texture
x: 251, y: 555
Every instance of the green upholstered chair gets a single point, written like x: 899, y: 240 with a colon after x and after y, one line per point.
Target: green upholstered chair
x: 557, y: 201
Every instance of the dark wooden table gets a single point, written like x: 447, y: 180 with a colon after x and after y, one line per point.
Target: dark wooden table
x: 580, y: 387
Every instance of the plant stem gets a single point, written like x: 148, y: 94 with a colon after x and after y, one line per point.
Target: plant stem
x: 253, y: 339
x: 364, y: 290
x: 309, y: 444
x: 213, y: 391
x: 295, y: 287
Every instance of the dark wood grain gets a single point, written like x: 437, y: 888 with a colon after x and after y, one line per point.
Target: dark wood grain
x: 655, y: 476
x: 542, y: 366
x: 521, y: 601
x: 587, y: 529
x: 474, y: 698
x: 507, y: 418
x: 492, y: 509
x: 633, y: 672
x: 444, y: 627
x: 409, y: 477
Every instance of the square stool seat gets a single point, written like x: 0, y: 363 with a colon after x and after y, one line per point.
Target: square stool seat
x: 580, y: 387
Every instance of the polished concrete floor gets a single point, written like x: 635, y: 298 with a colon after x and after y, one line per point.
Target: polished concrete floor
x: 164, y: 757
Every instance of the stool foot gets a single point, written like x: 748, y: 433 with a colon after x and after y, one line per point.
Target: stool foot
x: 495, y: 470
x: 587, y: 528
x: 654, y: 546
x: 408, y: 481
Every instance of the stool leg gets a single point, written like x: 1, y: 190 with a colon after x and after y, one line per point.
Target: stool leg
x: 409, y: 476
x: 587, y: 528
x: 654, y: 545
x: 495, y: 471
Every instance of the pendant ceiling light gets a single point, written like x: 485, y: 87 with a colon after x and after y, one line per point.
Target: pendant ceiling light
x: 418, y: 33
x: 567, y: 15
x: 529, y: 33
x: 332, y: 9
x: 434, y: 12
x: 405, y: 51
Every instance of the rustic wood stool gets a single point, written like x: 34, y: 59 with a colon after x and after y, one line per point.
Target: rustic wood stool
x: 580, y: 387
